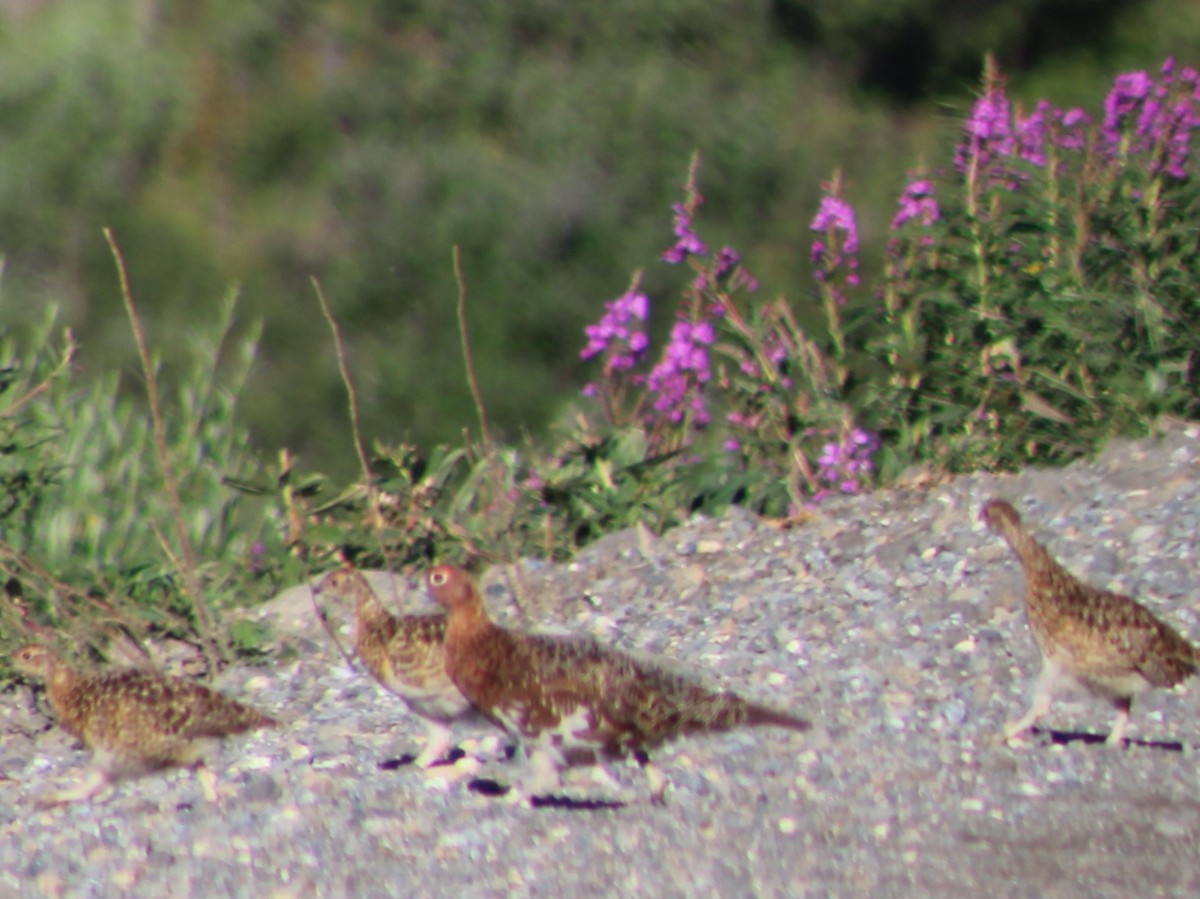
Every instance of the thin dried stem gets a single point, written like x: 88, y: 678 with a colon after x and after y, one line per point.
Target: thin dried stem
x: 376, y: 518
x: 468, y: 360
x: 213, y: 654
x: 375, y: 515
x: 489, y: 448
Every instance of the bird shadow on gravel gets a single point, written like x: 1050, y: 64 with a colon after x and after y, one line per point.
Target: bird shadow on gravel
x: 485, y: 786
x: 569, y: 803
x: 394, y: 764
x: 408, y: 758
x: 1067, y: 737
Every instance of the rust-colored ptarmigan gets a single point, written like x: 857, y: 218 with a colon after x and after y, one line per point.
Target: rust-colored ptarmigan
x: 568, y: 699
x: 135, y: 721
x: 1103, y: 642
x: 406, y: 655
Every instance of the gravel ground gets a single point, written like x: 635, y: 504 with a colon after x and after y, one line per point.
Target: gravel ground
x: 893, y: 620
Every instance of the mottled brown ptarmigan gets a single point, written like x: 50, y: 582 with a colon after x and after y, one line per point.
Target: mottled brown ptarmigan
x: 568, y: 699
x: 1100, y: 641
x: 134, y: 721
x: 406, y: 655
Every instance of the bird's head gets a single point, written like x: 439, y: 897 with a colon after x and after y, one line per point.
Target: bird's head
x: 451, y: 588
x: 999, y: 516
x: 343, y: 579
x: 34, y: 661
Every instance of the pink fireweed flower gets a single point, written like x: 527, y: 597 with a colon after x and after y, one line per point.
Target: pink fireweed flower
x: 1072, y: 125
x: 726, y: 266
x: 1128, y: 92
x: 677, y: 381
x: 835, y: 215
x: 833, y: 250
x: 687, y: 243
x: 917, y: 203
x: 918, y: 206
x: 1154, y: 118
x: 845, y: 465
x: 727, y: 260
x: 619, y: 335
x: 993, y: 134
x: 1031, y: 134
x: 988, y: 131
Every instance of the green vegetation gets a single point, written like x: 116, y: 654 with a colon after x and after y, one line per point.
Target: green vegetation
x: 359, y: 140
x: 1035, y: 297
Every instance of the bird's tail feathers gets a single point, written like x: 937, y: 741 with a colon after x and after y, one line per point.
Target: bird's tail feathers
x: 762, y: 716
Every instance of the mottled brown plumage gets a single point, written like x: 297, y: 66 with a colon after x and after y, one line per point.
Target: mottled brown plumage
x: 568, y: 697
x: 1104, y: 642
x: 406, y: 655
x: 135, y: 722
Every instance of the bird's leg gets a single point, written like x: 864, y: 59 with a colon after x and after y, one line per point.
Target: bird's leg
x: 96, y: 781
x: 658, y: 783
x: 1117, y: 735
x: 545, y: 777
x: 1043, y: 697
x: 208, y: 781
x: 606, y: 775
x: 439, y: 740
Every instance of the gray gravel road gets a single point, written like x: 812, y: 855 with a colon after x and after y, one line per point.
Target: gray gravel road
x: 893, y: 620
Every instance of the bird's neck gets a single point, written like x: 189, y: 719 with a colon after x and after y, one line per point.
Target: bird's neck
x: 1034, y: 557
x: 474, y: 646
x: 61, y: 685
x: 468, y: 624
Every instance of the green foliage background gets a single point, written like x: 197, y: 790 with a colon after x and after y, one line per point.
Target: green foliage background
x: 258, y: 143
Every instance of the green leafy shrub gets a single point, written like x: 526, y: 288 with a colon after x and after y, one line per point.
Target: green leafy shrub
x: 88, y: 536
x: 1035, y: 298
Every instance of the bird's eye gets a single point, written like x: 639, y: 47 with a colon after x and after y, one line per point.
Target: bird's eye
x: 438, y: 578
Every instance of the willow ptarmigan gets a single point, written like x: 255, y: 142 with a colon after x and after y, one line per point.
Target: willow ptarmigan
x: 406, y: 654
x: 1100, y: 641
x: 567, y: 697
x: 135, y: 722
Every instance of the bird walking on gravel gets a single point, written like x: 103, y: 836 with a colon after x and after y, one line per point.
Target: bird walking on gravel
x: 406, y: 655
x: 1103, y: 642
x: 568, y: 699
x: 135, y: 722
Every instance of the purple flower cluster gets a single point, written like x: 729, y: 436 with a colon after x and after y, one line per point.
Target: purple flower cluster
x: 726, y: 264
x: 687, y: 243
x: 677, y: 381
x: 1064, y: 128
x: 844, y: 465
x: 917, y: 204
x: 1142, y: 116
x: 618, y: 334
x: 834, y: 248
x: 1030, y: 134
x: 988, y: 131
x: 1070, y: 125
x: 776, y: 351
x: 994, y: 135
x: 835, y: 215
